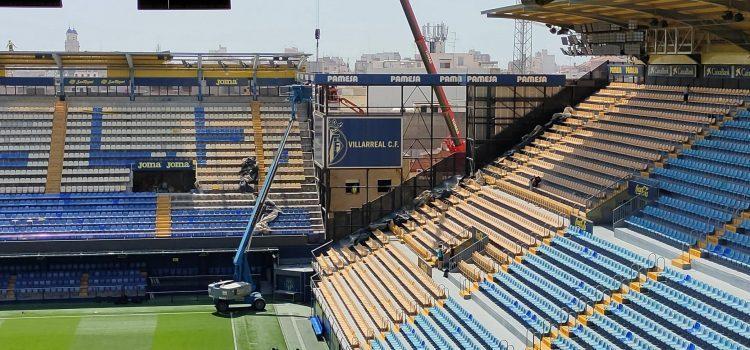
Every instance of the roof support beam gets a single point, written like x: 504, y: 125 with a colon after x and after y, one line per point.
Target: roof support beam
x: 713, y: 26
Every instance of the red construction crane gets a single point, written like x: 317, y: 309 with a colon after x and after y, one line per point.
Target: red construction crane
x: 454, y: 141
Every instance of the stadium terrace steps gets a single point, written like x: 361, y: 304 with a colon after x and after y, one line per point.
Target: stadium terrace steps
x: 587, y: 158
x: 258, y: 135
x: 57, y: 148
x: 163, y: 216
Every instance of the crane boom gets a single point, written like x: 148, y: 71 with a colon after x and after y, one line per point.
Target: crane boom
x: 241, y: 266
x: 456, y: 144
x: 242, y: 288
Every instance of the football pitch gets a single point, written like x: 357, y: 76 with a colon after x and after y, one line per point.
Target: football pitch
x: 190, y: 327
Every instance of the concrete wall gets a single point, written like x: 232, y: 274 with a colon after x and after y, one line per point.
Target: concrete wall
x: 342, y: 201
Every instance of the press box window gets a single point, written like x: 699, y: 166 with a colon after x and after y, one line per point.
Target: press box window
x: 352, y: 186
x: 384, y: 186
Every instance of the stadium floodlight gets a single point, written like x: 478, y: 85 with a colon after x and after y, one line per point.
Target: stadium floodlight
x: 30, y: 3
x: 553, y: 30
x: 184, y: 4
x: 563, y: 31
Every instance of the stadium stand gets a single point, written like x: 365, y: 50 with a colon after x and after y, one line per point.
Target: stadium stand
x: 572, y: 289
x: 24, y: 148
x: 704, y: 194
x: 91, y: 196
x: 611, y: 137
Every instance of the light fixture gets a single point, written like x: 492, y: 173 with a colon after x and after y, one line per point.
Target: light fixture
x: 727, y: 16
x: 663, y: 23
x: 654, y: 22
x: 553, y: 30
x: 738, y: 17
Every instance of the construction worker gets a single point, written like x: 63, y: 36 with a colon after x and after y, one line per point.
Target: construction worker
x: 440, y: 253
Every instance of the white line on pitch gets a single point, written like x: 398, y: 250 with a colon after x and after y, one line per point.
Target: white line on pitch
x: 234, y: 335
x: 104, y: 315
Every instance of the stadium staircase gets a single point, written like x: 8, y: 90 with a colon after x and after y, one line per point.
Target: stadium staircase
x: 57, y: 147
x: 163, y: 216
x: 258, y: 139
x: 84, y: 292
x: 11, y: 288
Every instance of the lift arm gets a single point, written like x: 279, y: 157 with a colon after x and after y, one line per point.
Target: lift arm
x: 241, y: 265
x: 455, y: 143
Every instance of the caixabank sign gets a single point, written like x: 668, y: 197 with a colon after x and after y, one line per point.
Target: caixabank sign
x: 673, y: 70
x: 736, y: 71
x: 363, y: 142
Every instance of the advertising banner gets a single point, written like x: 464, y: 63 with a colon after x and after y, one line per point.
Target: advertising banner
x: 364, y: 142
x: 656, y: 70
x: 582, y: 223
x: 97, y: 81
x: 228, y: 82
x: 643, y: 188
x: 433, y: 79
x: 159, y: 165
x: 717, y: 71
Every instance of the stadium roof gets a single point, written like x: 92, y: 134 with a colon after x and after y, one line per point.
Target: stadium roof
x: 705, y: 15
x: 159, y: 60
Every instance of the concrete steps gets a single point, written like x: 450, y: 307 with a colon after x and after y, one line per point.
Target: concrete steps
x: 258, y: 137
x: 84, y: 290
x: 57, y: 147
x: 163, y: 216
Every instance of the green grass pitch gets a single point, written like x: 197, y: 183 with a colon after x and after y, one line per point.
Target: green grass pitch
x: 193, y: 327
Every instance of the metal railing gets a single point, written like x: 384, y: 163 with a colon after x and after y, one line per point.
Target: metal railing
x: 335, y: 327
x: 595, y: 198
x: 479, y: 242
x: 623, y: 211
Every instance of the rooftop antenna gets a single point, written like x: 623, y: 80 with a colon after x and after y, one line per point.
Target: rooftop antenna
x: 317, y: 35
x: 11, y: 46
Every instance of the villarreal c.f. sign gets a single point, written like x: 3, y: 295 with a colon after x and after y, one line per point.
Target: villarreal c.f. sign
x: 364, y: 142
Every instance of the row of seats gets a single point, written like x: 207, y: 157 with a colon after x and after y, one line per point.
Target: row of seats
x: 702, y: 190
x: 24, y: 133
x: 587, y: 160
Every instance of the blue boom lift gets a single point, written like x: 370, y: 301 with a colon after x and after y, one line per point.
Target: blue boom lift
x: 242, y: 289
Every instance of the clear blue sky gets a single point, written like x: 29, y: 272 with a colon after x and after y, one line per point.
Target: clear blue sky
x: 349, y: 27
